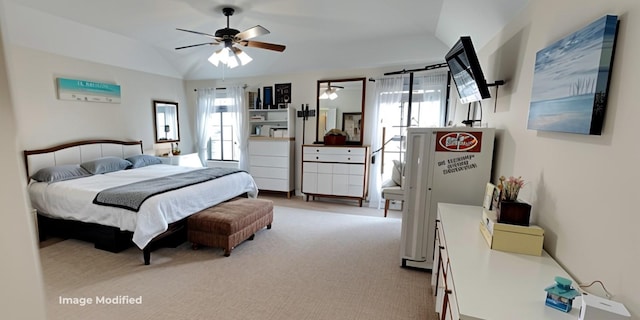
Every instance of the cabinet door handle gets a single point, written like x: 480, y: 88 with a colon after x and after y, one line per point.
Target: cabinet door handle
x: 448, y: 291
x: 441, y: 247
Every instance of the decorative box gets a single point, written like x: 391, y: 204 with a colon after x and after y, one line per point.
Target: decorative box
x: 334, y: 140
x: 514, y: 212
x: 509, y: 237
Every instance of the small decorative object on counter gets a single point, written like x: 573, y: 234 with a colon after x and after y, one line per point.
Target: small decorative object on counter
x: 561, y: 294
x: 511, y: 187
x: 335, y: 137
x: 511, y: 210
x: 175, y: 150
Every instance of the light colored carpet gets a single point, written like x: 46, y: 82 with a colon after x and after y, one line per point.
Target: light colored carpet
x: 310, y: 265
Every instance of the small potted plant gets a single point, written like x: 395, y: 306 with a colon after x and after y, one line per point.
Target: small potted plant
x: 335, y: 137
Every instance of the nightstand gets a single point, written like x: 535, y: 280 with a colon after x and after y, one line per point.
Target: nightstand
x: 185, y: 160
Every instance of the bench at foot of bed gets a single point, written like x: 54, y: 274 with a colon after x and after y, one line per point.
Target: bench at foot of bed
x: 230, y: 223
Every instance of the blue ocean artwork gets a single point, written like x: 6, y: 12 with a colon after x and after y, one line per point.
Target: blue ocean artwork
x: 571, y: 79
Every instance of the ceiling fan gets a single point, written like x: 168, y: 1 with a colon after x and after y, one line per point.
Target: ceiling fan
x: 229, y: 37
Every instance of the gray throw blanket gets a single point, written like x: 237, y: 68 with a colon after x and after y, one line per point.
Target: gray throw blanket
x: 131, y: 196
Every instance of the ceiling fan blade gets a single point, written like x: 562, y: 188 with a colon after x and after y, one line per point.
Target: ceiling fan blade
x: 252, y: 33
x: 198, y: 32
x: 199, y: 44
x: 263, y: 45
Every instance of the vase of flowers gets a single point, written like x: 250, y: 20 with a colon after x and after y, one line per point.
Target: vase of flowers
x: 511, y: 187
x: 511, y: 210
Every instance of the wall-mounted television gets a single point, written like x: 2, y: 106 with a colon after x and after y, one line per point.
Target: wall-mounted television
x: 466, y: 72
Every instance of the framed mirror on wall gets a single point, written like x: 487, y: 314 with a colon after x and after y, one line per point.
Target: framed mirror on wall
x: 165, y: 118
x: 340, y: 105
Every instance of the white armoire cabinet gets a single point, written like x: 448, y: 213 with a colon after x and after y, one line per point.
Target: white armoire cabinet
x: 335, y: 171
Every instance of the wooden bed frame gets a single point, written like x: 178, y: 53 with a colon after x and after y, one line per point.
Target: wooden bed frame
x: 104, y: 237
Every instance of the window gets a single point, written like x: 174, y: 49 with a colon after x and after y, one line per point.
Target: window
x: 222, y: 143
x: 426, y: 109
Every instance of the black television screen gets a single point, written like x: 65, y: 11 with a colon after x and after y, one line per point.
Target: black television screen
x: 466, y: 72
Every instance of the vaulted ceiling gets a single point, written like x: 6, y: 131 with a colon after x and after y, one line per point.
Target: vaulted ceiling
x: 319, y: 35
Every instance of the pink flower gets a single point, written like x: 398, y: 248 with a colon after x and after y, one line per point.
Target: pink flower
x: 511, y: 187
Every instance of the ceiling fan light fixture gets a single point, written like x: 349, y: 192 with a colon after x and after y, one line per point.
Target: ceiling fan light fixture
x: 332, y: 94
x: 215, y: 58
x: 242, y: 56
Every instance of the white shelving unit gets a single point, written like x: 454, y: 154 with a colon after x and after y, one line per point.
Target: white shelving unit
x: 273, y: 123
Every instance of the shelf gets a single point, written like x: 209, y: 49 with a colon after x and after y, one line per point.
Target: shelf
x: 267, y: 121
x: 268, y: 110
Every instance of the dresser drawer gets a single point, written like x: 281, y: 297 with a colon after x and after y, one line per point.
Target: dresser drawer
x: 268, y: 147
x: 267, y: 172
x: 335, y: 150
x: 269, y: 161
x: 346, y: 158
x: 272, y: 184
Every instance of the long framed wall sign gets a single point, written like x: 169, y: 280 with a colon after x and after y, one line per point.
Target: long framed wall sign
x: 90, y: 91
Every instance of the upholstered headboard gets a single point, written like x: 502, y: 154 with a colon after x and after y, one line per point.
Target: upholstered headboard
x: 78, y: 152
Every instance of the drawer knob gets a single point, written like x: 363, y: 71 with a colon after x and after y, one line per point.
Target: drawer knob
x: 349, y: 150
x: 348, y: 158
x: 317, y: 158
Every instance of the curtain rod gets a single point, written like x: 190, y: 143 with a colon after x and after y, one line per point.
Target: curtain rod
x: 244, y: 86
x: 211, y: 88
x: 431, y: 67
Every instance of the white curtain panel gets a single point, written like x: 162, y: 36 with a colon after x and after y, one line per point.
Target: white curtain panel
x: 388, y: 91
x: 206, y: 99
x: 242, y: 129
x: 434, y: 87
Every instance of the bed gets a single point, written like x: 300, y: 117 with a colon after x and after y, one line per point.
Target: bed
x: 68, y: 206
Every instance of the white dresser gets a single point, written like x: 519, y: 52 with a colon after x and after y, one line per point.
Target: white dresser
x: 271, y: 163
x: 335, y: 171
x: 472, y: 281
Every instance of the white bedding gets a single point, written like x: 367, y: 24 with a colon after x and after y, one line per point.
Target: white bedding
x: 73, y: 199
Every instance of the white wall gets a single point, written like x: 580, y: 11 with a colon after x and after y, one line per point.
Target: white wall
x: 21, y: 296
x: 583, y: 188
x: 44, y: 120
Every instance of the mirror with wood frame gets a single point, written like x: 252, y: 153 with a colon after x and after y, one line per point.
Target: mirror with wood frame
x: 165, y: 118
x: 340, y: 105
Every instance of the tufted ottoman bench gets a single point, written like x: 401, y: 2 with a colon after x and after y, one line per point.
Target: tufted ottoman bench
x: 229, y: 223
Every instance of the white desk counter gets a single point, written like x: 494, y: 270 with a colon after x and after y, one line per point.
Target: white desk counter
x: 490, y: 284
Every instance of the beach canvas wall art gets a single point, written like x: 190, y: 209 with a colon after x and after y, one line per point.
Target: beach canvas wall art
x: 571, y: 80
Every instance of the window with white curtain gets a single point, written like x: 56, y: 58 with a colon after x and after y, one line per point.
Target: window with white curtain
x: 222, y: 121
x: 427, y: 109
